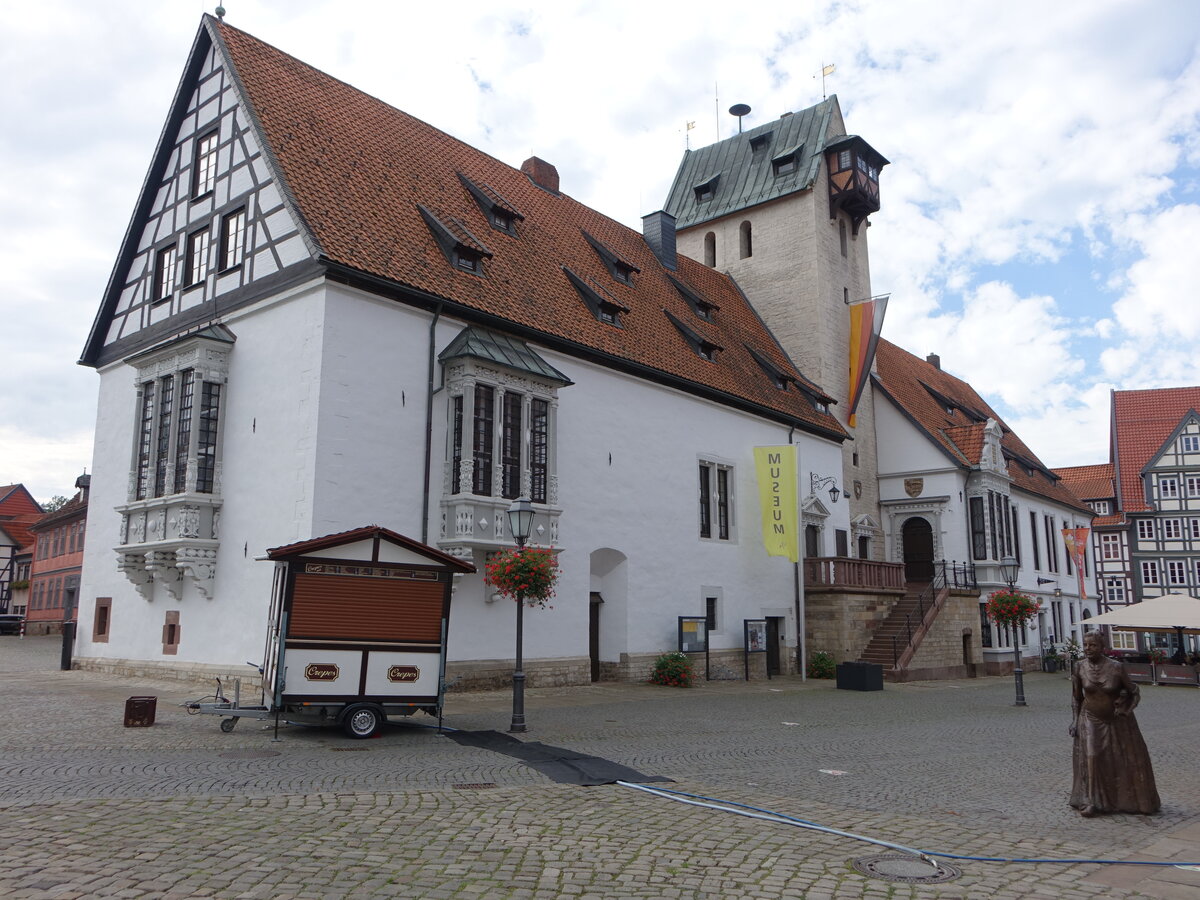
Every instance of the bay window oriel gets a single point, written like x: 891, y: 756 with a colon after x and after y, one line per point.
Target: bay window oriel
x: 170, y: 522
x: 501, y: 422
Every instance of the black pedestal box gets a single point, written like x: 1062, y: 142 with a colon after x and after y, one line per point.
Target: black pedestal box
x: 860, y: 676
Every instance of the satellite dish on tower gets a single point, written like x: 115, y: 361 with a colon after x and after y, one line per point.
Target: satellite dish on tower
x: 739, y: 110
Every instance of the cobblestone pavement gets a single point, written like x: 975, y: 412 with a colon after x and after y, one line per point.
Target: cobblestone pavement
x: 89, y: 808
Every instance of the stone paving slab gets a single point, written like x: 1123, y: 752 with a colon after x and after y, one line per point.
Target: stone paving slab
x: 91, y: 809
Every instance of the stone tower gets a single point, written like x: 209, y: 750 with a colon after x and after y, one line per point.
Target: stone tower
x: 782, y: 208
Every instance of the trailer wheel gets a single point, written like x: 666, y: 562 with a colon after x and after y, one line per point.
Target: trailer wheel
x: 362, y: 721
x: 227, y: 725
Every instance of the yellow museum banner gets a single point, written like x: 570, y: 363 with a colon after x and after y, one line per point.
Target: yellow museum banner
x: 776, y: 470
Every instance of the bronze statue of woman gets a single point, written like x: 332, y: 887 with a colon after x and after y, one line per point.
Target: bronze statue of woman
x: 1112, y: 765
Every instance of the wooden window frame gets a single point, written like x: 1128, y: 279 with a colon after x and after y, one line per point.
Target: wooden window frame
x: 234, y: 227
x: 164, y: 274
x: 204, y: 164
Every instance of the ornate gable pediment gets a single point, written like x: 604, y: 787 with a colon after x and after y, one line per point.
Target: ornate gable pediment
x: 812, y: 508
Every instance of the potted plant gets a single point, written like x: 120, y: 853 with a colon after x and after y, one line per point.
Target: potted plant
x: 1050, y: 661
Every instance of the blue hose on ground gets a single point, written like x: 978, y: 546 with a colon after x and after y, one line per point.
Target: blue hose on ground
x: 755, y: 812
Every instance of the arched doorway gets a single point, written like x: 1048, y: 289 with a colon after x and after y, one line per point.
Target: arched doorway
x: 607, y: 638
x: 917, y: 537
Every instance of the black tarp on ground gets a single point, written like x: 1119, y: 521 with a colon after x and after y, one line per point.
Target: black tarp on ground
x: 556, y: 763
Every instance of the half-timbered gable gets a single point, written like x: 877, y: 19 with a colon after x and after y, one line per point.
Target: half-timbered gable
x: 212, y: 222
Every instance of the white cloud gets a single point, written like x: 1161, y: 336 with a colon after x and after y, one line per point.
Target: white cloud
x: 1019, y: 133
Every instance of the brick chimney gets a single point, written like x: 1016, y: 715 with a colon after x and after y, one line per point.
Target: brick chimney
x: 934, y: 360
x: 541, y: 173
x: 658, y: 229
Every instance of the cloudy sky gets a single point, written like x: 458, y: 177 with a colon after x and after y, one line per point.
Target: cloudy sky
x: 1041, y: 213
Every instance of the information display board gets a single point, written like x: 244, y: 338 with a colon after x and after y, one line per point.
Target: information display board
x: 754, y: 641
x: 693, y: 634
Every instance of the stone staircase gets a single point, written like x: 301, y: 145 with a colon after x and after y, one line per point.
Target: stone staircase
x: 889, y: 646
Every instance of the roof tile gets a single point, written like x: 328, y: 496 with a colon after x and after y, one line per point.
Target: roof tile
x: 908, y: 380
x: 358, y: 169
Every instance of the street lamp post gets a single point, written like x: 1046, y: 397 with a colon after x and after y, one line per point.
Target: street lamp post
x: 1009, y: 567
x: 520, y: 524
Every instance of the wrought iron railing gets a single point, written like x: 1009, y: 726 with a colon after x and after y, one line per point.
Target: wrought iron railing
x: 956, y: 574
x: 946, y: 573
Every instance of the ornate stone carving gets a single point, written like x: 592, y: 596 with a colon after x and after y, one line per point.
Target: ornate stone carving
x: 464, y: 526
x: 216, y: 524
x: 133, y: 567
x: 199, y: 565
x: 189, y: 521
x: 139, y: 529
x: 161, y: 566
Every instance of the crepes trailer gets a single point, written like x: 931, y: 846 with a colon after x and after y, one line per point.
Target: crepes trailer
x: 356, y: 634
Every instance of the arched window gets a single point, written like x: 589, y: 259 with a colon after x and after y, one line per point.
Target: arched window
x: 710, y: 250
x: 746, y: 244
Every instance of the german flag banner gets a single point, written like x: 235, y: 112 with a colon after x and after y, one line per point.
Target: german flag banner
x: 866, y: 324
x: 1076, y: 540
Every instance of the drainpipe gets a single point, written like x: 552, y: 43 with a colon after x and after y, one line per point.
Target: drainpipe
x: 429, y: 391
x: 801, y: 650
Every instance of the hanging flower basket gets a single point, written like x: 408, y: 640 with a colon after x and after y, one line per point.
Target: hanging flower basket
x: 530, y: 573
x: 1012, y: 608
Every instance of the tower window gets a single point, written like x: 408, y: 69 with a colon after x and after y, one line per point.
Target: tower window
x: 746, y: 242
x: 710, y: 250
x: 842, y: 235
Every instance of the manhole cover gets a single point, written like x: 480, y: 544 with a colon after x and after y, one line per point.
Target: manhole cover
x: 904, y: 867
x: 249, y: 754
x: 474, y: 787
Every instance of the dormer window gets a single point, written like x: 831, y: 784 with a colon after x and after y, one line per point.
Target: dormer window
x: 759, y: 143
x: 705, y: 348
x: 778, y: 378
x: 701, y: 307
x: 503, y: 220
x: 462, y: 249
x: 603, y: 305
x: 620, y: 269
x: 786, y: 162
x: 500, y: 214
x: 468, y: 260
x: 706, y: 189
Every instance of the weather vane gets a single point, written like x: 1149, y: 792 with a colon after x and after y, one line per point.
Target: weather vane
x: 826, y: 69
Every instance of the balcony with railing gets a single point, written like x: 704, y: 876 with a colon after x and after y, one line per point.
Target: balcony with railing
x: 833, y: 574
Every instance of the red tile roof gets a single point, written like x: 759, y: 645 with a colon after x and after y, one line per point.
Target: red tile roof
x: 1141, y: 423
x: 1089, y: 482
x: 925, y: 392
x: 18, y: 528
x: 358, y: 168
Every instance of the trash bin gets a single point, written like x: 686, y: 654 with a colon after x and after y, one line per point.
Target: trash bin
x: 139, y: 711
x: 860, y: 676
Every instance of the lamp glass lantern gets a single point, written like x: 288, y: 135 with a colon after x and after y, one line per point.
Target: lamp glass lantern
x: 520, y: 520
x: 1009, y: 567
